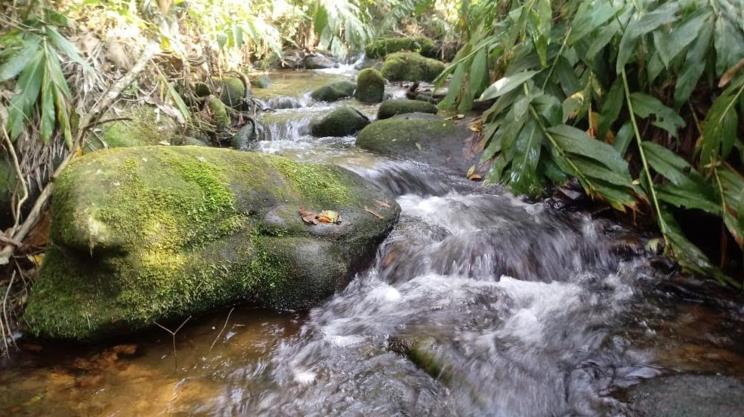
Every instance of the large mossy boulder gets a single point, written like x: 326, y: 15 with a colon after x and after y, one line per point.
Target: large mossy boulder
x: 410, y: 66
x: 390, y: 108
x: 233, y: 92
x: 344, y: 121
x: 422, y: 137
x: 381, y: 47
x: 370, y: 86
x: 334, y: 91
x: 137, y: 126
x: 155, y: 233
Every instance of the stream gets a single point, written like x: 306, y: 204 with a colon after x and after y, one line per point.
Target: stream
x: 478, y: 303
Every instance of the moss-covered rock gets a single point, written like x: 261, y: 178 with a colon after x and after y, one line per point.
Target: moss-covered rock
x: 343, y: 121
x: 140, y: 126
x: 390, y: 108
x: 381, y: 47
x: 370, y: 86
x: 420, y: 136
x: 410, y: 66
x: 218, y: 113
x: 232, y: 92
x: 153, y: 233
x: 334, y: 91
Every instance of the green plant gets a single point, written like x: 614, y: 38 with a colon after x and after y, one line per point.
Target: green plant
x: 584, y: 86
x: 34, y: 55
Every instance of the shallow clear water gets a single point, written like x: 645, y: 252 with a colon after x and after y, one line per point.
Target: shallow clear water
x: 478, y: 304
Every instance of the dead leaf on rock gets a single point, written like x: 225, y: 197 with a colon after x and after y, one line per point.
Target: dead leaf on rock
x: 473, y: 175
x: 308, y: 216
x: 325, y: 216
x: 329, y: 216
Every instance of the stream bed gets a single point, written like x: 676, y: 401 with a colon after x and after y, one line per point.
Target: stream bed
x: 477, y: 304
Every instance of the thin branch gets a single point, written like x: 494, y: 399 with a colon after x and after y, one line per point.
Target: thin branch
x: 221, y: 331
x: 173, y: 334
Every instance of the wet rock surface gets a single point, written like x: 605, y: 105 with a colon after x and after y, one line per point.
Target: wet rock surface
x: 422, y: 137
x: 334, y: 91
x: 343, y: 121
x: 688, y: 396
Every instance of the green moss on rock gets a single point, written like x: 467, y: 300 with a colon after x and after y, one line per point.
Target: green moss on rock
x: 381, y: 47
x: 144, y: 125
x: 390, y: 108
x: 370, y: 86
x: 344, y: 121
x: 232, y: 92
x: 410, y: 66
x: 218, y: 112
x: 334, y: 91
x: 153, y: 233
x: 423, y: 137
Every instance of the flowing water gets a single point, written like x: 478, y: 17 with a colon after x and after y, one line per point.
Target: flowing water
x: 478, y: 304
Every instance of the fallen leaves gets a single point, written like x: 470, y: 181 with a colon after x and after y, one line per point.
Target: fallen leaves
x: 325, y: 216
x: 473, y: 174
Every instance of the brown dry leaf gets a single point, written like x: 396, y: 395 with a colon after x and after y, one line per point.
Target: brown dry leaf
x: 308, y: 216
x: 473, y: 175
x: 730, y: 73
x: 476, y: 126
x: 329, y: 216
x: 593, y: 123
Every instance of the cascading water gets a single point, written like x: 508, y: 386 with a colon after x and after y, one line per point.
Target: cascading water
x: 477, y: 304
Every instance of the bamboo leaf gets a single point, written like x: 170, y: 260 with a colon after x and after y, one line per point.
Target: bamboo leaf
x: 507, y: 84
x: 720, y: 125
x: 640, y: 25
x: 20, y: 59
x: 664, y: 117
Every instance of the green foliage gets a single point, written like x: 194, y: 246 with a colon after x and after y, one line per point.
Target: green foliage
x: 35, y: 57
x: 577, y: 87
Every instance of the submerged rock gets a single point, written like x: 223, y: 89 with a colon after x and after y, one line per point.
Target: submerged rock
x: 381, y: 47
x: 151, y: 233
x: 318, y: 61
x: 688, y: 396
x: 410, y: 66
x: 420, y: 136
x: 370, y: 86
x: 343, y: 121
x: 334, y: 91
x: 390, y: 108
x: 233, y: 92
